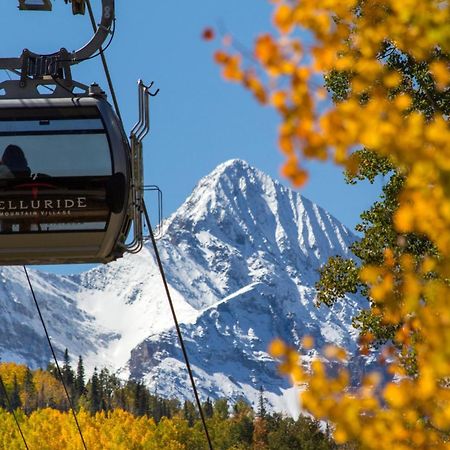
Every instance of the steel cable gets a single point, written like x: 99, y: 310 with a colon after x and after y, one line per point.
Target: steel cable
x: 177, y: 326
x: 55, y: 359
x: 105, y: 64
x: 13, y: 412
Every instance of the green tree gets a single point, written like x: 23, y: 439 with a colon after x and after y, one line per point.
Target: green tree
x: 208, y: 408
x: 221, y: 408
x: 190, y: 413
x: 93, y: 397
x: 241, y: 429
x: 3, y: 394
x: 141, y: 399
x: 80, y: 386
x: 29, y: 393
x: 261, y: 412
x: 340, y: 276
x: 66, y: 371
x: 14, y: 396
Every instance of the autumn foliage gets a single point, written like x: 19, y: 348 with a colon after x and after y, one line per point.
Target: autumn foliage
x: 117, y: 415
x: 393, y: 59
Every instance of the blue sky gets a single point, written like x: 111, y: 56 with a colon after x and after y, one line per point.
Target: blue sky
x: 198, y: 120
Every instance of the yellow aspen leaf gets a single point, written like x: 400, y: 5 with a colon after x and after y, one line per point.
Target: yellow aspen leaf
x: 334, y: 352
x: 428, y: 264
x: 392, y: 79
x: 369, y: 274
x: 308, y: 342
x: 395, y: 395
x: 255, y: 85
x: 372, y: 379
x: 265, y: 48
x: 441, y: 74
x: 404, y: 219
x: 286, y: 144
x: 277, y: 348
x: 325, y: 58
x: 427, y: 384
x: 278, y: 99
x: 389, y: 257
x: 298, y: 176
x: 340, y: 436
x: 221, y: 57
x: 283, y: 18
x: 340, y: 155
x: 231, y: 69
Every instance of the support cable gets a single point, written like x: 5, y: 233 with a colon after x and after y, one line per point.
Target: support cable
x: 55, y: 359
x: 13, y: 412
x: 105, y: 64
x: 177, y: 326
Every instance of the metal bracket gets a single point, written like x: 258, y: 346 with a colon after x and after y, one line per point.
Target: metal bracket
x: 11, y: 89
x: 139, y: 131
x: 41, y: 65
x: 45, y: 5
x: 159, y: 231
x: 36, y: 66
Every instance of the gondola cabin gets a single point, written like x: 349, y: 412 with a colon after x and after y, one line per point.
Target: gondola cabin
x: 65, y: 181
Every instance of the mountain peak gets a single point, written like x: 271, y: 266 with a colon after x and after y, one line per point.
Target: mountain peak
x: 234, y: 163
x: 241, y: 214
x: 227, y: 184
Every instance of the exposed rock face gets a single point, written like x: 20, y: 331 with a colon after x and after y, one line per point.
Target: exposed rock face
x: 241, y: 255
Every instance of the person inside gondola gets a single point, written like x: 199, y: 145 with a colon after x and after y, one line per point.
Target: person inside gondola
x: 14, y: 163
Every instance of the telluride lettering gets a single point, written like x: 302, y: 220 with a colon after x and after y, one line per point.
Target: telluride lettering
x: 43, y: 204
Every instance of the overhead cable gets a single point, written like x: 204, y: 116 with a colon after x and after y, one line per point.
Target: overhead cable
x: 177, y: 326
x: 2, y: 384
x: 105, y: 64
x: 55, y: 359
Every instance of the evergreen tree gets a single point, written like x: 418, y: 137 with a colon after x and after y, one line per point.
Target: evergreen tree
x: 141, y: 400
x: 3, y: 395
x: 80, y: 386
x: 67, y: 372
x: 120, y: 399
x: 241, y: 426
x: 208, y: 408
x: 190, y: 412
x: 261, y: 404
x: 52, y: 369
x: 221, y: 409
x: 68, y: 377
x: 14, y: 396
x: 41, y: 397
x: 93, y: 394
x: 30, y: 402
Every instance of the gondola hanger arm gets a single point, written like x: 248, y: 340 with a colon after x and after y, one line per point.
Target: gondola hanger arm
x: 85, y: 52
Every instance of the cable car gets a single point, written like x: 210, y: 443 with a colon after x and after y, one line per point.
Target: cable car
x: 65, y: 173
x: 70, y: 181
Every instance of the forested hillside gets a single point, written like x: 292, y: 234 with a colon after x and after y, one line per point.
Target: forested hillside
x: 116, y: 415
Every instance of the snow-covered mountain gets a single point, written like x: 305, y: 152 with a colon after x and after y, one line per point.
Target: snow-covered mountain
x: 241, y: 257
